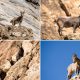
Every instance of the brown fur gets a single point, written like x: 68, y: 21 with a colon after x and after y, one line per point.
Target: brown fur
x: 67, y: 22
x: 17, y: 20
x: 75, y: 59
x: 74, y: 67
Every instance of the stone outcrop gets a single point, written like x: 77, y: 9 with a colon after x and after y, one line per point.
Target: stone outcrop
x: 13, y: 33
x: 19, y: 60
x: 51, y: 10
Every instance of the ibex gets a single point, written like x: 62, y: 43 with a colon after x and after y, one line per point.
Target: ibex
x: 17, y: 20
x: 74, y: 67
x: 67, y: 22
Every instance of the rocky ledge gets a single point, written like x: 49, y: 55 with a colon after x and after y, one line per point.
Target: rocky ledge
x: 15, y: 33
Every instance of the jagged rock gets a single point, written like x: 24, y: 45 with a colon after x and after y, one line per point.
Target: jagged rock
x: 73, y: 36
x: 6, y: 66
x: 11, y: 33
x: 27, y: 46
x: 14, y: 65
x: 34, y: 1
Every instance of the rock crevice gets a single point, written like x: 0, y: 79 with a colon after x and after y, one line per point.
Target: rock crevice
x: 17, y: 65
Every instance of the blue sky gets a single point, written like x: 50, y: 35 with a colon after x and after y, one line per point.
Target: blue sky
x: 55, y: 58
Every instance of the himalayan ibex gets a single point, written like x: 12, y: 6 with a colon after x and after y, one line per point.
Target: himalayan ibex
x: 74, y: 67
x: 68, y: 22
x: 17, y: 20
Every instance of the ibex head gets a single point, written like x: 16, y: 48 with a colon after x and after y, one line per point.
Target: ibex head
x: 22, y: 12
x: 74, y: 57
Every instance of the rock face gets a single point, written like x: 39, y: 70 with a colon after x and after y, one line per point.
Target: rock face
x: 30, y: 26
x: 51, y: 10
x: 18, y: 61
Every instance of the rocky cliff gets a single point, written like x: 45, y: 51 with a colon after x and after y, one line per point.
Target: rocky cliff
x: 51, y: 10
x: 30, y: 27
x: 19, y: 60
